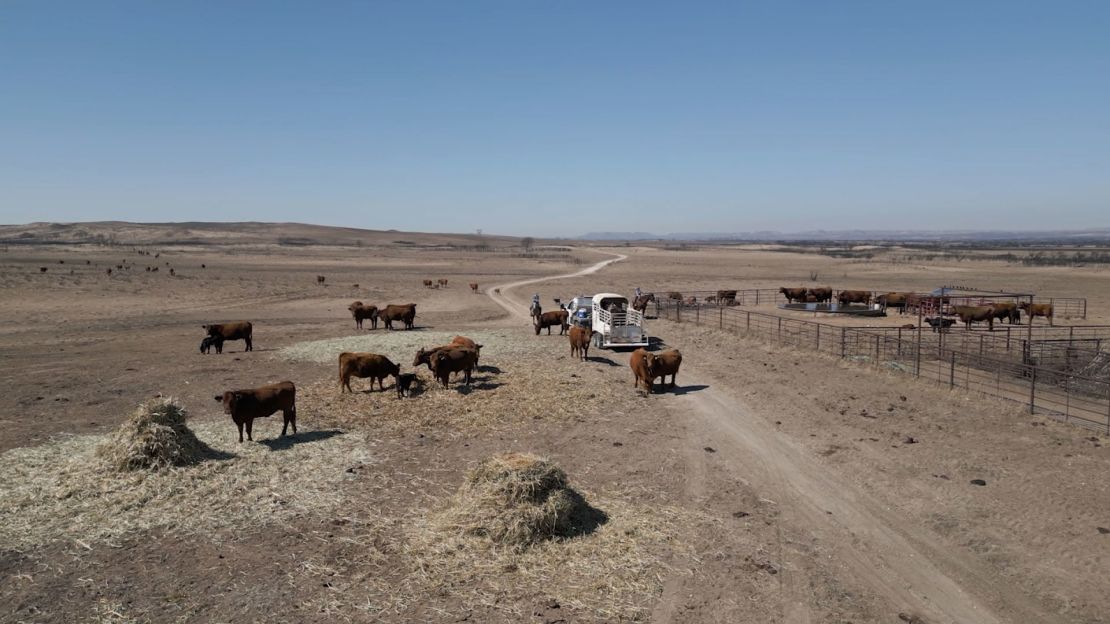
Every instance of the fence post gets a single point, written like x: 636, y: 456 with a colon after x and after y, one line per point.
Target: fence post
x: 818, y: 338
x: 1033, y: 391
x: 697, y: 315
x: 844, y: 345
x: 917, y: 354
x: 749, y: 325
x: 780, y: 330
x: 876, y: 349
x: 678, y: 313
x: 756, y: 296
x: 952, y: 371
x: 722, y: 311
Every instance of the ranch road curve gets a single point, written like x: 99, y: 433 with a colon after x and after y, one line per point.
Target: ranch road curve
x: 899, y: 564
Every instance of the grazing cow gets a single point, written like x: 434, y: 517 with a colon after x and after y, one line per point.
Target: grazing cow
x: 404, y: 384
x: 474, y: 287
x: 854, y: 296
x: 939, y: 323
x: 580, y: 342
x: 821, y: 294
x: 320, y: 279
x: 674, y: 296
x: 442, y: 283
x: 1037, y: 309
x: 211, y: 341
x: 406, y: 313
x: 361, y: 312
x: 793, y: 294
x: 246, y: 405
x: 239, y: 330
x: 427, y: 283
x: 1007, y: 311
x: 551, y: 319
x: 726, y: 297
x: 363, y: 365
x: 641, y: 363
x: 975, y: 314
x: 893, y: 300
x: 453, y: 360
x: 663, y: 364
x: 43, y: 269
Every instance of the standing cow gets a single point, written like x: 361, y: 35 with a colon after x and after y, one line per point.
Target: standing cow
x: 245, y: 405
x: 580, y: 342
x: 551, y: 319
x: 239, y: 330
x: 406, y: 313
x: 361, y: 312
x: 641, y: 363
x: 363, y: 365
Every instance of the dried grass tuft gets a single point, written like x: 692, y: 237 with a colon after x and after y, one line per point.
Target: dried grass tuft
x: 515, y: 500
x: 154, y: 437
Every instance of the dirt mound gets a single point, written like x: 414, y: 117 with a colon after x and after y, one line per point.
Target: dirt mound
x: 154, y: 437
x: 515, y: 500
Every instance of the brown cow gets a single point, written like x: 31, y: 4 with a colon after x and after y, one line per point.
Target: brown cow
x: 320, y: 279
x: 580, y: 342
x: 793, y: 294
x: 363, y: 365
x: 474, y: 287
x: 975, y: 314
x: 663, y: 364
x: 239, y: 330
x: 453, y: 360
x: 691, y: 301
x: 1007, y: 311
x: 405, y: 313
x: 245, y: 405
x: 674, y: 295
x: 1037, y: 309
x: 821, y: 294
x: 425, y: 356
x: 442, y: 283
x: 361, y: 312
x: 641, y: 363
x: 550, y: 319
x: 427, y: 283
x: 854, y: 296
x: 893, y: 300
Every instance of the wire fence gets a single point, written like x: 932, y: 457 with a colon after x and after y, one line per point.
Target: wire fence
x: 1061, y: 372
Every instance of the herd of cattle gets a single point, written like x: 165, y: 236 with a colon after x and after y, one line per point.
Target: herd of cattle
x: 461, y: 355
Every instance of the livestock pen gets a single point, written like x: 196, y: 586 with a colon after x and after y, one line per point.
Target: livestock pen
x: 1011, y: 365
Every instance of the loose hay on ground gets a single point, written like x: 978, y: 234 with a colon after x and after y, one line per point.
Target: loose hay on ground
x: 521, y: 378
x: 64, y: 490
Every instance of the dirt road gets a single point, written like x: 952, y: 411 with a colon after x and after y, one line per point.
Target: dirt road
x: 865, y: 545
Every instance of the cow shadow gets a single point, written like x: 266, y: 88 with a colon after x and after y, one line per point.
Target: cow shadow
x: 283, y: 443
x: 584, y: 518
x: 601, y: 360
x: 477, y: 387
x: 489, y: 369
x: 681, y: 390
x: 207, y: 454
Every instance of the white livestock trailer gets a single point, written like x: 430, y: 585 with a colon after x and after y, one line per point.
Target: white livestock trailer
x: 615, y: 322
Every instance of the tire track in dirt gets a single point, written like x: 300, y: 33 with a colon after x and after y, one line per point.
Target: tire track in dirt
x: 903, y: 568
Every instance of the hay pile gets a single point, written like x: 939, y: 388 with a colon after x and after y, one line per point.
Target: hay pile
x: 154, y: 437
x: 515, y: 500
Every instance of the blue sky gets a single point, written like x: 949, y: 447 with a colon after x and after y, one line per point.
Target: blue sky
x: 557, y: 118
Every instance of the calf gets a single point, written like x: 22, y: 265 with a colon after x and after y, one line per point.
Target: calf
x: 404, y: 384
x: 474, y: 287
x: 939, y: 323
x: 641, y: 363
x: 453, y: 360
x: 361, y: 312
x: 211, y: 341
x: 363, y: 365
x: 239, y: 330
x: 580, y: 342
x: 663, y: 364
x: 551, y: 319
x: 246, y: 405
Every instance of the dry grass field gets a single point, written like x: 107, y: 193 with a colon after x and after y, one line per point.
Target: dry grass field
x: 773, y: 485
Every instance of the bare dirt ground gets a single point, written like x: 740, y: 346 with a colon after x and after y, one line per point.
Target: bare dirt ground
x: 771, y: 486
